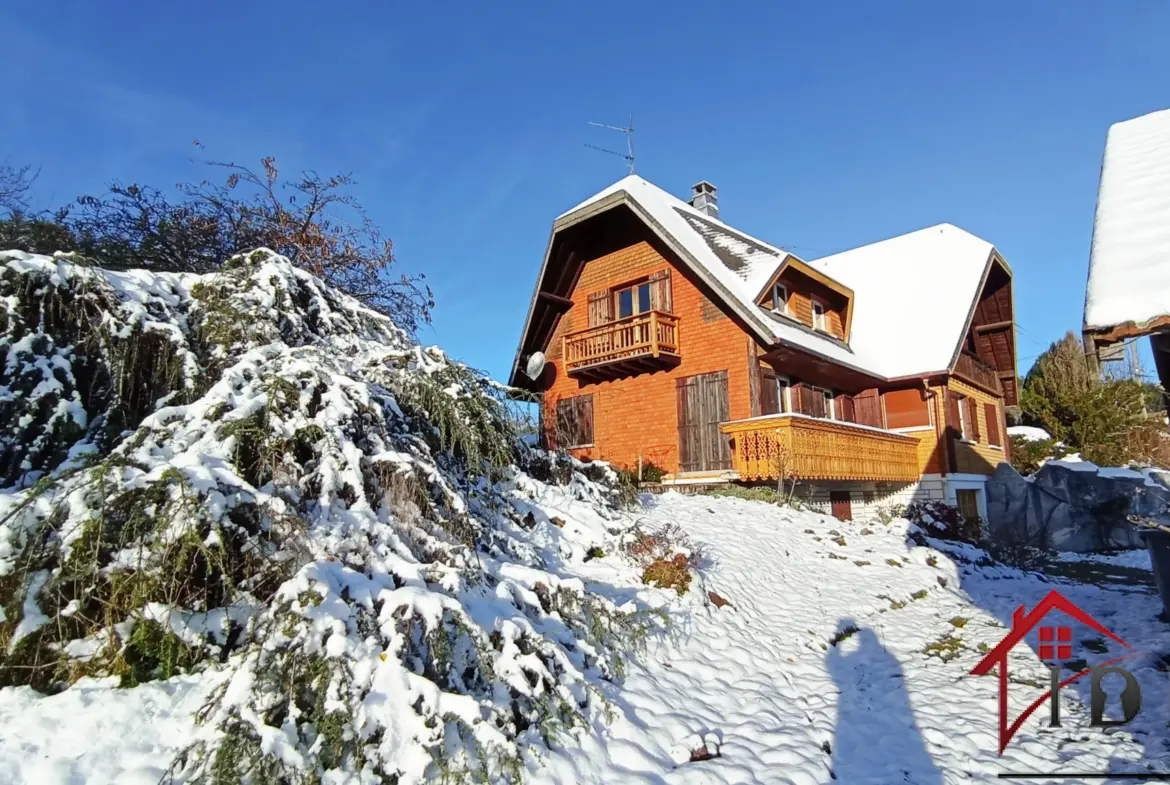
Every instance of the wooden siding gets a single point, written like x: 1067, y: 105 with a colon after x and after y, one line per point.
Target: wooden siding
x: 815, y: 449
x: 636, y: 415
x: 977, y: 456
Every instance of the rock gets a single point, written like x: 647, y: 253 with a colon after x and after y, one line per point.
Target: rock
x: 718, y: 601
x: 1066, y: 507
x: 558, y: 522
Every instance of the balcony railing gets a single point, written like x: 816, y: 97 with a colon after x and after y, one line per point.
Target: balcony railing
x: 646, y: 339
x: 809, y: 448
x: 972, y: 369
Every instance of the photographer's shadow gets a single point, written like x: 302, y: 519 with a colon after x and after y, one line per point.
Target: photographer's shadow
x: 876, y: 738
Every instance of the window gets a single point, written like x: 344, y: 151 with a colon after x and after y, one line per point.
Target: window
x: 964, y: 424
x: 574, y: 422
x: 633, y: 300
x: 968, y: 503
x: 819, y: 320
x: 782, y: 393
x: 780, y: 298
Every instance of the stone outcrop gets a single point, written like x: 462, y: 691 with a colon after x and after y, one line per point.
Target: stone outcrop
x: 1072, y: 507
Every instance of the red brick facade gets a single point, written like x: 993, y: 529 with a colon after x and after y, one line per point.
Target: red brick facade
x: 637, y: 415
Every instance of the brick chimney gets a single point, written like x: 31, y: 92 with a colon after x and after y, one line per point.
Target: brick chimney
x: 704, y: 199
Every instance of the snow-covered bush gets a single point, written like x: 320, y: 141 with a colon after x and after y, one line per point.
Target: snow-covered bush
x: 942, y: 521
x: 248, y: 468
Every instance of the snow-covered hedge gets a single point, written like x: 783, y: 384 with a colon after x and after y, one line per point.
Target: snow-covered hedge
x: 248, y: 469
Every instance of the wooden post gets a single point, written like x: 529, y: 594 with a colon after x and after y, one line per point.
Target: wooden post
x: 639, y: 467
x: 654, y: 333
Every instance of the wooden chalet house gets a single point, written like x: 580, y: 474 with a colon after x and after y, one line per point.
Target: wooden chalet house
x: 874, y: 376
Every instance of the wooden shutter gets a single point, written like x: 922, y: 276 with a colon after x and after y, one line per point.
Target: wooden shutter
x: 953, y: 431
x: 769, y: 396
x: 991, y: 415
x: 600, y: 309
x: 585, y: 419
x: 845, y: 408
x: 660, y: 296
x: 689, y: 452
x: 716, y: 406
x: 973, y: 418
x: 953, y: 421
x: 867, y: 408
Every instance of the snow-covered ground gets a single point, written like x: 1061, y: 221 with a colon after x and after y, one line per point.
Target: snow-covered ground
x: 889, y: 702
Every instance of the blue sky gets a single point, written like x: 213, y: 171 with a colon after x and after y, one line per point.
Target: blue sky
x: 825, y: 126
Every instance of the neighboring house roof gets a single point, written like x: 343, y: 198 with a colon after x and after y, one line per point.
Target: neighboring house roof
x: 913, y: 297
x: 1129, y: 264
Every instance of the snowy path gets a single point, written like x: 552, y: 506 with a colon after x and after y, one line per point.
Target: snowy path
x: 790, y: 708
x: 760, y: 676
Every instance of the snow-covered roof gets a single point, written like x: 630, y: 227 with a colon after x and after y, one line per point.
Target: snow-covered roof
x: 1129, y: 265
x: 912, y: 297
x: 913, y: 294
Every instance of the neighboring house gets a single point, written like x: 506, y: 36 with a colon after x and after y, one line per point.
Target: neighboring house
x: 1128, y: 291
x: 874, y: 376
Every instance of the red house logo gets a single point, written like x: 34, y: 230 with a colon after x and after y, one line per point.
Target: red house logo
x: 1055, y: 646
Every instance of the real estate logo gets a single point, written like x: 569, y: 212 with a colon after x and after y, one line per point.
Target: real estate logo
x: 1055, y: 649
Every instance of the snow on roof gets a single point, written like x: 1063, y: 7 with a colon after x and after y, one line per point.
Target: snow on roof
x: 1129, y: 264
x: 912, y: 297
x: 912, y: 293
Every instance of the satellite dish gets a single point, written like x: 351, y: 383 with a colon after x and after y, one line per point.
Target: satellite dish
x: 535, y: 365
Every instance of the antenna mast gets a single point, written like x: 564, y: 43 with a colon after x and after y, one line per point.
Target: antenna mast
x: 628, y: 130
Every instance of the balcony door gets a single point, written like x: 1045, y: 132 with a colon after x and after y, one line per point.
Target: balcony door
x: 702, y: 406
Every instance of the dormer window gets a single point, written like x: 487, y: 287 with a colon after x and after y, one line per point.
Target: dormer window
x: 818, y: 314
x: 780, y: 298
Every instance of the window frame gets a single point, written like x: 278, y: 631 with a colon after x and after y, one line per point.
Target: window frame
x: 824, y: 320
x: 633, y: 289
x: 961, y: 405
x: 778, y: 287
x: 784, y: 393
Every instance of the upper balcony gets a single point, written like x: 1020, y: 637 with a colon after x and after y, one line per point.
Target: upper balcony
x: 644, y: 342
x: 811, y: 448
x: 972, y: 369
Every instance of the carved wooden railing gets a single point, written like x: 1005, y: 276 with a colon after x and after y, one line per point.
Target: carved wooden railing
x: 815, y: 449
x: 650, y: 334
x: 979, y: 373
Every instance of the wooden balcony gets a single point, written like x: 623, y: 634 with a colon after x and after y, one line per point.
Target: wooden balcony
x: 971, y: 369
x: 809, y: 448
x: 645, y: 342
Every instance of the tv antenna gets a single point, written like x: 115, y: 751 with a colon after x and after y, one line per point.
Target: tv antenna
x: 628, y: 130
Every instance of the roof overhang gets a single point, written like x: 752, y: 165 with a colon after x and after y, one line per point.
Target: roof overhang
x: 993, y: 259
